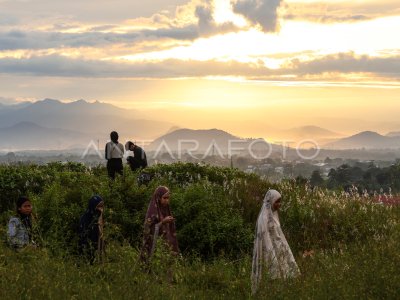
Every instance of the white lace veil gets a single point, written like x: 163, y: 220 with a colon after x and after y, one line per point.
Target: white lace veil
x: 271, y: 249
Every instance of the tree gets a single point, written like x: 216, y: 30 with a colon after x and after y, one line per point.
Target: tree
x: 316, y: 179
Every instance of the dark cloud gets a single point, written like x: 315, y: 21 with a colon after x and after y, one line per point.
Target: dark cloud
x: 58, y: 66
x: 206, y: 23
x: 35, y: 40
x: 54, y: 65
x: 18, y: 39
x: 14, y: 40
x: 259, y: 12
x: 350, y: 63
x: 328, y: 18
x: 184, y: 33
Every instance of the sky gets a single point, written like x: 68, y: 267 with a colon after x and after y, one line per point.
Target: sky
x: 245, y: 66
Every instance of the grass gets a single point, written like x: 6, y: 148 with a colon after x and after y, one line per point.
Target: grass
x: 368, y: 271
x: 354, y: 242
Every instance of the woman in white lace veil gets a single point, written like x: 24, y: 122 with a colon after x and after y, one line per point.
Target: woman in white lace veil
x: 271, y: 249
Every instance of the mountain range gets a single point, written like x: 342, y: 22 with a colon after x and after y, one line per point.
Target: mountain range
x: 205, y: 141
x: 367, y: 140
x: 27, y: 135
x: 52, y: 124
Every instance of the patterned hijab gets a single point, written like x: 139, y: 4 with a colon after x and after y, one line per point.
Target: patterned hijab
x: 270, y: 246
x: 153, y: 228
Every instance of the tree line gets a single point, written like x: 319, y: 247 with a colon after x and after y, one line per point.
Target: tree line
x: 365, y: 177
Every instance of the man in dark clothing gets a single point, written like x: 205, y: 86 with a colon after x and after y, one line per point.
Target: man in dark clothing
x: 139, y: 160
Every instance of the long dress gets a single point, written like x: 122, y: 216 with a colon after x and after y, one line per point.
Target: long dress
x: 271, y: 249
x: 154, y: 228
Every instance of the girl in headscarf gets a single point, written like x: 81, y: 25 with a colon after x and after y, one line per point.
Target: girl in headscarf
x: 159, y: 222
x: 20, y: 226
x: 91, y: 229
x: 271, y: 249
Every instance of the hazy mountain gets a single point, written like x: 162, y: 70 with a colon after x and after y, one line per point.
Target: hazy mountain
x: 310, y: 132
x: 27, y: 135
x: 96, y: 119
x: 14, y: 106
x: 209, y: 141
x: 296, y: 137
x: 393, y: 134
x: 367, y: 140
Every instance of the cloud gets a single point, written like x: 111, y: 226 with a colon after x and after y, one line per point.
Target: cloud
x: 340, y: 11
x: 350, y: 63
x: 259, y: 12
x: 7, y: 20
x: 202, y: 24
x: 59, y: 66
x: 206, y: 23
x: 321, y: 18
x: 14, y: 40
x: 87, y: 11
x: 35, y: 40
x: 339, y: 64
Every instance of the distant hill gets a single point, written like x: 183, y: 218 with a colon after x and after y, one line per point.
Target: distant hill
x: 310, y: 132
x: 367, y: 140
x: 393, y: 134
x: 14, y: 106
x: 96, y: 119
x: 202, y: 140
x: 27, y: 135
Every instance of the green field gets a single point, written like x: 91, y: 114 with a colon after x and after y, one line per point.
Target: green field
x: 354, y: 242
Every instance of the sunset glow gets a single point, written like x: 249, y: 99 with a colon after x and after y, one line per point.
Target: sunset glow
x: 226, y: 56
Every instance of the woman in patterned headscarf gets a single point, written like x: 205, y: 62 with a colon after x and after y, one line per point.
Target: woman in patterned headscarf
x: 20, y: 226
x: 159, y: 222
x: 270, y: 246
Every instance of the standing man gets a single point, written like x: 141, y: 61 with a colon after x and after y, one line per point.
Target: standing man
x: 114, y: 153
x: 139, y: 160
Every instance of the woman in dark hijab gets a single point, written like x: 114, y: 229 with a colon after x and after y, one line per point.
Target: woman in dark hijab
x: 20, y: 226
x: 159, y: 222
x: 91, y: 229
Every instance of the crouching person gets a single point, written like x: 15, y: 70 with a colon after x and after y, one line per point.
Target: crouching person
x: 91, y: 239
x: 20, y: 226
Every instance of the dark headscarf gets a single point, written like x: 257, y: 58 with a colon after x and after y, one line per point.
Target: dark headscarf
x: 155, y: 214
x: 89, y: 231
x: 25, y: 219
x: 89, y: 217
x: 114, y: 137
x: 91, y: 211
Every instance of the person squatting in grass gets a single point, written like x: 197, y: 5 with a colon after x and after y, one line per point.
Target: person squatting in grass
x: 159, y: 222
x: 91, y: 223
x: 139, y: 159
x: 20, y: 226
x: 114, y: 152
x: 271, y: 250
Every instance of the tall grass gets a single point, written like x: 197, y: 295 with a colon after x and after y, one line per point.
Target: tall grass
x: 346, y: 246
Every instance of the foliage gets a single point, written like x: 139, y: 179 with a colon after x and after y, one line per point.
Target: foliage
x: 216, y: 210
x: 372, y: 179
